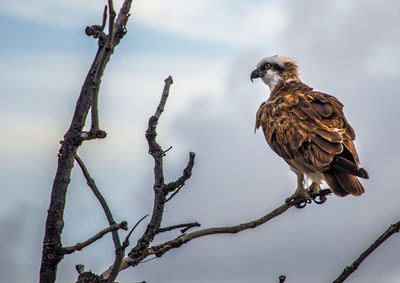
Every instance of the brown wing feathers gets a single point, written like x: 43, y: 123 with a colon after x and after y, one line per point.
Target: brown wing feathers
x: 308, y: 129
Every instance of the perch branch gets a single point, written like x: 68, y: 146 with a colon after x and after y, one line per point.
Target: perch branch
x: 79, y: 246
x: 159, y: 250
x: 394, y: 228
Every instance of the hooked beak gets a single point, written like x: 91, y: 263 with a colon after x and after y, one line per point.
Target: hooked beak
x: 257, y: 73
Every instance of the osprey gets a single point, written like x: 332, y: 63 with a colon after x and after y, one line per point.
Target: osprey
x: 308, y: 129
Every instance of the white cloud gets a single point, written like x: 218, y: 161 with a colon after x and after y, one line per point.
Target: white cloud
x: 63, y: 12
x: 245, y: 24
x: 211, y: 20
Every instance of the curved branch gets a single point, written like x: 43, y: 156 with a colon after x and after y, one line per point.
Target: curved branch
x: 159, y: 185
x: 79, y: 246
x: 394, y: 228
x: 159, y: 250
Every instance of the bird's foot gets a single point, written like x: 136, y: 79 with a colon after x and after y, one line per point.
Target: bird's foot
x: 316, y: 194
x: 300, y: 198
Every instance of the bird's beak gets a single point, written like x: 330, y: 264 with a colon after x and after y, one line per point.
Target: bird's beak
x: 257, y: 73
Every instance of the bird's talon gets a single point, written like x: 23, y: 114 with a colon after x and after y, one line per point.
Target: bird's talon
x: 319, y: 199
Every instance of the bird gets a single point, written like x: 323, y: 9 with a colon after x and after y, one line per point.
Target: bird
x: 308, y: 129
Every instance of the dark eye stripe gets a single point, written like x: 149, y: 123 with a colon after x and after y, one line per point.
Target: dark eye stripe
x: 278, y: 68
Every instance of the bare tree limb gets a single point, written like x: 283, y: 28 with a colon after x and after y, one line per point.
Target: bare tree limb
x: 161, y: 190
x: 159, y: 250
x: 79, y: 246
x: 52, y: 247
x: 159, y: 185
x: 394, y: 228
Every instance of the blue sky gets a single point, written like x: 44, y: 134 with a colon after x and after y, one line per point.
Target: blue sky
x: 348, y: 49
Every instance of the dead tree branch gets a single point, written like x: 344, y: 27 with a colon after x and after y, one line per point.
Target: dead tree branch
x: 161, y: 190
x: 52, y: 247
x: 394, y: 228
x: 79, y: 246
x: 161, y: 249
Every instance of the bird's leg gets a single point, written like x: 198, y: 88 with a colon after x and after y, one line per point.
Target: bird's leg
x: 300, y: 192
x: 314, y: 189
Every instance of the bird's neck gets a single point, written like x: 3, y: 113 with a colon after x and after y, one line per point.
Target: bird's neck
x: 282, y: 83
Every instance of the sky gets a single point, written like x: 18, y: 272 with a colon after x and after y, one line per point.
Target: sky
x: 345, y: 48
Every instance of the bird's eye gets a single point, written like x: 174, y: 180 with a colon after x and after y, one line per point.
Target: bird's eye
x: 267, y: 66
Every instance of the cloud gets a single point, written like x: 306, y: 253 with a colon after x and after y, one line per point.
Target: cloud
x: 227, y: 22
x: 63, y: 13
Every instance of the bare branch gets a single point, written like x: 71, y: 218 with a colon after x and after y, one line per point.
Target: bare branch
x: 159, y: 193
x: 79, y: 246
x: 92, y: 184
x: 159, y: 250
x: 185, y: 226
x: 394, y: 228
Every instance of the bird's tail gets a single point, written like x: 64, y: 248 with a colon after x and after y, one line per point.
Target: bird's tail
x: 342, y: 183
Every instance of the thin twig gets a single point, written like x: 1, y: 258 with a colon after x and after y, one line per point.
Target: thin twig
x: 187, y: 173
x: 79, y: 246
x: 394, y: 228
x: 185, y: 227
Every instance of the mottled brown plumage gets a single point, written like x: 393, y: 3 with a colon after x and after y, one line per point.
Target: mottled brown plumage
x: 307, y: 128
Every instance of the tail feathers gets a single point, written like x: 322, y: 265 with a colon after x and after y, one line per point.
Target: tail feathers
x: 343, y: 165
x: 342, y: 183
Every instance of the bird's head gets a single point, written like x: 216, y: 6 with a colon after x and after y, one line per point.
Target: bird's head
x: 275, y: 69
